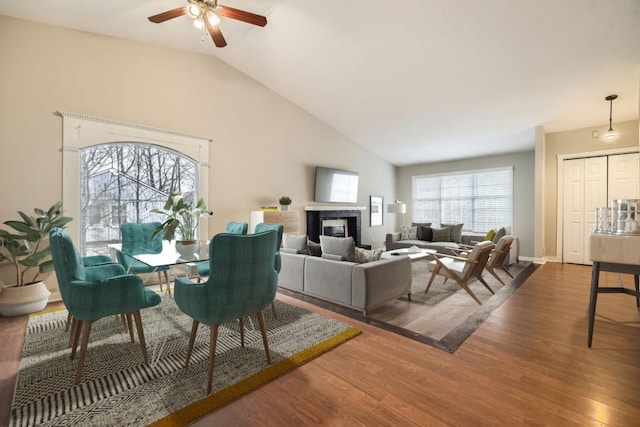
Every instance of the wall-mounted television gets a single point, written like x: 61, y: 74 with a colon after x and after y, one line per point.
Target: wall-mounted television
x: 336, y: 185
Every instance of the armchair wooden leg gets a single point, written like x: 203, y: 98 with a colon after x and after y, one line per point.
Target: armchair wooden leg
x: 486, y: 285
x: 212, y: 356
x: 86, y: 330
x: 495, y: 274
x: 263, y: 330
x: 241, y: 321
x: 192, y: 339
x: 433, y: 276
x: 129, y: 325
x: 143, y: 343
x: 506, y: 270
x: 160, y: 280
x: 469, y: 291
x: 77, y: 328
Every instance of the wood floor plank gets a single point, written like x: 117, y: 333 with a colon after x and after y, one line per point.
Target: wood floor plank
x: 527, y: 364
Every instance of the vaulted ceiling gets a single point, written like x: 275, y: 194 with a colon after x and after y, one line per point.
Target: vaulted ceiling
x: 412, y: 80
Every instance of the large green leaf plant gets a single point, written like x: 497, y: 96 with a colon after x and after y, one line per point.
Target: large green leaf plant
x: 26, y: 246
x: 181, y: 216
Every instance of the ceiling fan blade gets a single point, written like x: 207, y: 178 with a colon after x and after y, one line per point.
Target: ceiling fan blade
x: 169, y: 14
x: 216, y: 34
x: 241, y: 15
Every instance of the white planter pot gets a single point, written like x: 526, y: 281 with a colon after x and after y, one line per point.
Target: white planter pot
x: 21, y: 300
x: 284, y: 208
x: 188, y: 249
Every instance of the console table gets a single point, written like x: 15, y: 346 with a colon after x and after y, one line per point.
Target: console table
x: 617, y: 253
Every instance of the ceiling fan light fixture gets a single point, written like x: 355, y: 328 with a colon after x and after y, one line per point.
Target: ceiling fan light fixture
x: 198, y: 23
x: 213, y: 18
x: 193, y: 11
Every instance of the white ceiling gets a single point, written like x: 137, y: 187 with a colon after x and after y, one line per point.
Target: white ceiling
x: 413, y: 80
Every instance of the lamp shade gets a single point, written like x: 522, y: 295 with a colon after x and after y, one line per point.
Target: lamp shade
x: 398, y: 208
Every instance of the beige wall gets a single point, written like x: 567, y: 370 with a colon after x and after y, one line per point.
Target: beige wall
x: 523, y: 184
x: 263, y: 146
x: 570, y: 142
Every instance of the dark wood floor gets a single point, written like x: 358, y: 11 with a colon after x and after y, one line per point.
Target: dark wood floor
x: 528, y: 364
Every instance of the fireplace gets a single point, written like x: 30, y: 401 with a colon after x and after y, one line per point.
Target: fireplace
x: 335, y: 227
x: 342, y: 221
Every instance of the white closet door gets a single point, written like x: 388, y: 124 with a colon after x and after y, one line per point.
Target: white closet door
x: 595, y: 195
x: 624, y: 176
x: 574, y: 224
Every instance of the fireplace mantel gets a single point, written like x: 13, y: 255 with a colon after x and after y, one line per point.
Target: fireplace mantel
x: 314, y: 208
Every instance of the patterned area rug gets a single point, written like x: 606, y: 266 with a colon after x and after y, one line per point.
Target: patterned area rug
x: 117, y: 388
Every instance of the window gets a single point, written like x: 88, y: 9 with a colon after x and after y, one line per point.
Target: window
x: 481, y: 200
x: 115, y: 171
x: 122, y: 182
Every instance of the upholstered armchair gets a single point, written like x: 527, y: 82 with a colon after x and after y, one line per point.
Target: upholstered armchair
x: 136, y: 239
x: 242, y: 282
x: 91, y: 293
x: 463, y: 270
x: 202, y: 268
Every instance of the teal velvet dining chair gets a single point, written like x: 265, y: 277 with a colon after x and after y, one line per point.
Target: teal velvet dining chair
x: 242, y: 282
x: 202, y: 268
x: 279, y: 229
x: 136, y: 239
x: 91, y: 293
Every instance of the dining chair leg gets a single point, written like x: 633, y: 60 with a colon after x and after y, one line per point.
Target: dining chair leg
x: 160, y: 280
x: 273, y: 310
x: 241, y: 321
x: 212, y: 356
x: 166, y: 280
x: 263, y: 330
x: 77, y: 328
x: 192, y: 339
x: 128, y: 322
x: 68, y: 323
x: 143, y: 343
x: 123, y: 319
x: 72, y: 330
x: 86, y: 330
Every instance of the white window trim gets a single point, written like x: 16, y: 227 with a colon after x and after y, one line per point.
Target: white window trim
x: 81, y: 131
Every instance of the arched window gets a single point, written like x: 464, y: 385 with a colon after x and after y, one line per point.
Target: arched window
x: 121, y: 182
x: 114, y: 172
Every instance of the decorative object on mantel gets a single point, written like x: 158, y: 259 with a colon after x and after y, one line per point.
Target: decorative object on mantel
x: 181, y: 216
x: 284, y: 201
x: 610, y: 136
x: 25, y: 249
x: 206, y: 17
x: 398, y: 208
x: 376, y: 211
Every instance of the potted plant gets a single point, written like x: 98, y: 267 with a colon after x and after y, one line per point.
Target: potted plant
x: 181, y: 217
x: 284, y: 201
x: 26, y: 247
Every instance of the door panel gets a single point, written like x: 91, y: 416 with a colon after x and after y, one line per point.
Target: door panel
x: 595, y: 195
x: 624, y: 177
x: 573, y: 239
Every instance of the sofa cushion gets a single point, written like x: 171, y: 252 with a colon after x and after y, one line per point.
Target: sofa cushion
x: 342, y: 246
x: 425, y: 233
x: 410, y: 233
x: 442, y: 234
x: 295, y: 242
x: 456, y: 232
x: 366, y: 255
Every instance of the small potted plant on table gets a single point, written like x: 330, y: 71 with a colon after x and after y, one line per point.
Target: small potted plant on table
x: 26, y: 247
x: 284, y: 201
x: 183, y: 217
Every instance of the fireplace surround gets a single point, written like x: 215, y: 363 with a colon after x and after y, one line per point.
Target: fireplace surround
x: 317, y: 214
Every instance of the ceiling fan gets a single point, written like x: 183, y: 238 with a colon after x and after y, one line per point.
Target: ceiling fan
x: 206, y: 14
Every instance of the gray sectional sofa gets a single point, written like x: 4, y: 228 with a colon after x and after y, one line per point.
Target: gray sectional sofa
x: 360, y: 286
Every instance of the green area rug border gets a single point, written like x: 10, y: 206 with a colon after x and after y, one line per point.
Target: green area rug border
x: 214, y: 401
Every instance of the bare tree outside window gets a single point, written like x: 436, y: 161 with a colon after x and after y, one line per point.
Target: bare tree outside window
x: 121, y: 181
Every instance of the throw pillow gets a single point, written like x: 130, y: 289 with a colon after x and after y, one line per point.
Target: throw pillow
x: 314, y: 248
x: 499, y: 234
x: 366, y: 255
x: 442, y: 234
x: 296, y: 242
x: 342, y: 246
x: 424, y: 224
x: 490, y: 234
x: 410, y: 233
x: 425, y: 233
x: 456, y: 232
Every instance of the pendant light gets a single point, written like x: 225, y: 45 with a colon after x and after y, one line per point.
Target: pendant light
x: 610, y: 136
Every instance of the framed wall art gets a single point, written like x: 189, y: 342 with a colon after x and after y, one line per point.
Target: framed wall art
x: 376, y: 211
